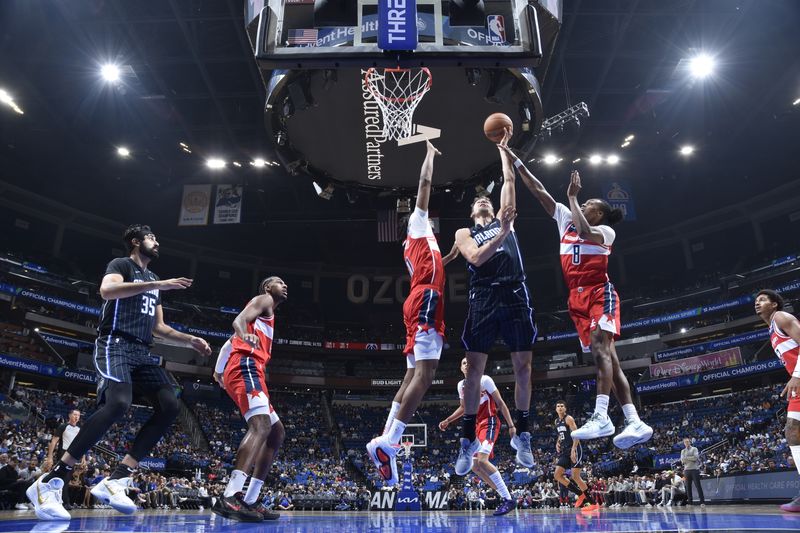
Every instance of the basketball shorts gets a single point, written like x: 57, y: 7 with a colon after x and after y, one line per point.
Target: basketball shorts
x: 565, y: 461
x: 120, y: 360
x: 594, y: 307
x: 499, y: 310
x: 245, y: 384
x: 793, y: 409
x: 487, y: 433
x: 423, y: 315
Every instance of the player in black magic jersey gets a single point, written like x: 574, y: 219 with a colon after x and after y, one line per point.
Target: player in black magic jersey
x: 570, y: 456
x: 131, y: 315
x: 499, y: 303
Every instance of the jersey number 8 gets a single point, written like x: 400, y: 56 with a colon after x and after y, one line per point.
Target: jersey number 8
x: 148, y: 306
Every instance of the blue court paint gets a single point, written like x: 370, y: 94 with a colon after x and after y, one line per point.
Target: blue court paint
x: 732, y: 518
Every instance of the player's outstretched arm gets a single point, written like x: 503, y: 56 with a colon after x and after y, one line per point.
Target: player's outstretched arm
x: 478, y: 255
x: 260, y: 305
x: 161, y: 330
x: 585, y: 230
x: 501, y: 405
x: 531, y: 182
x: 791, y: 326
x: 451, y: 255
x: 113, y: 286
x: 508, y: 194
x: 426, y: 177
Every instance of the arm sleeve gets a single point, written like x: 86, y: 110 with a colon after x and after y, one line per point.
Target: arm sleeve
x: 418, y: 225
x: 222, y: 358
x: 120, y: 266
x: 563, y: 217
x: 488, y: 385
x: 608, y: 234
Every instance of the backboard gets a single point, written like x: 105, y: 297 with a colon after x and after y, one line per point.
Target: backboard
x: 324, y: 122
x: 315, y: 34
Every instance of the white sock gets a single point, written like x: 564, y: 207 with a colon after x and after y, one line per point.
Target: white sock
x: 629, y: 410
x: 253, y: 491
x: 795, y: 449
x: 392, y: 412
x: 235, y: 483
x: 497, y: 479
x: 601, y: 405
x: 396, y: 431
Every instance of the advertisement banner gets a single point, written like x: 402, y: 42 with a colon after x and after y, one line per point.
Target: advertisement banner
x: 782, y: 485
x: 695, y: 365
x: 35, y: 367
x: 153, y: 463
x: 709, y: 377
x: 332, y: 345
x: 194, y: 205
x: 67, y: 341
x: 397, y: 25
x: 396, y: 382
x: 664, y: 461
x: 705, y: 347
x: 228, y: 205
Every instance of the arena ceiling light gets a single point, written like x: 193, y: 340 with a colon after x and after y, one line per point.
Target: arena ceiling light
x: 796, y: 102
x: 629, y: 138
x: 702, y: 66
x: 215, y: 163
x: 258, y: 163
x: 110, y: 72
x: 595, y: 159
x: 551, y: 159
x: 576, y: 160
x: 687, y: 150
x: 123, y: 152
x: 237, y: 164
x: 8, y: 100
x: 625, y: 144
x: 613, y: 159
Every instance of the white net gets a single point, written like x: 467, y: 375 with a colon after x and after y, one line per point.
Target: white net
x: 398, y: 92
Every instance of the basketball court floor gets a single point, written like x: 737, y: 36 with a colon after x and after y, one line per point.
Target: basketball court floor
x: 720, y: 518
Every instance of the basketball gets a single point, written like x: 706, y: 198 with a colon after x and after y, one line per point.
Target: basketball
x: 495, y: 126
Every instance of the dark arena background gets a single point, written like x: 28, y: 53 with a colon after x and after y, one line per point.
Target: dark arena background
x: 251, y: 136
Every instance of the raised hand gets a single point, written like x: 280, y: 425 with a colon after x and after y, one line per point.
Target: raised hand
x: 431, y: 148
x: 507, y: 216
x: 574, y: 184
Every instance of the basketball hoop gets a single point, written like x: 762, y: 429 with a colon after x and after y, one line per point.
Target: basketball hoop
x: 406, y: 451
x: 398, y: 92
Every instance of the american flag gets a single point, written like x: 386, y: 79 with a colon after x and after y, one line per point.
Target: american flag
x: 387, y: 225
x: 307, y: 37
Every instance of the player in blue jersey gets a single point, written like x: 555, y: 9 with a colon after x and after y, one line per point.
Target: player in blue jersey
x: 130, y: 317
x: 499, y: 305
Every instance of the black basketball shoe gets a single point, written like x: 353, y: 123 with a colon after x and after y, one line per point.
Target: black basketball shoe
x: 233, y: 507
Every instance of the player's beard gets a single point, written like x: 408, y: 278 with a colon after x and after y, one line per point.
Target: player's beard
x: 150, y: 252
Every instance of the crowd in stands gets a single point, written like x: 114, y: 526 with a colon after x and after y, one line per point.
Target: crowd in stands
x: 308, y: 473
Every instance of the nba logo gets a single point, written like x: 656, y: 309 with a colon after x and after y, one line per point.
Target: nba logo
x: 497, y: 29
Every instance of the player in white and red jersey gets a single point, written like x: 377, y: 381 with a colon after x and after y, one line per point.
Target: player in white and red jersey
x: 241, y: 371
x: 586, y: 238
x: 423, y: 315
x: 487, y: 430
x: 784, y: 334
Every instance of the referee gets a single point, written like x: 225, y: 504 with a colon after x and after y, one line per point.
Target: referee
x: 130, y: 316
x: 63, y: 437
